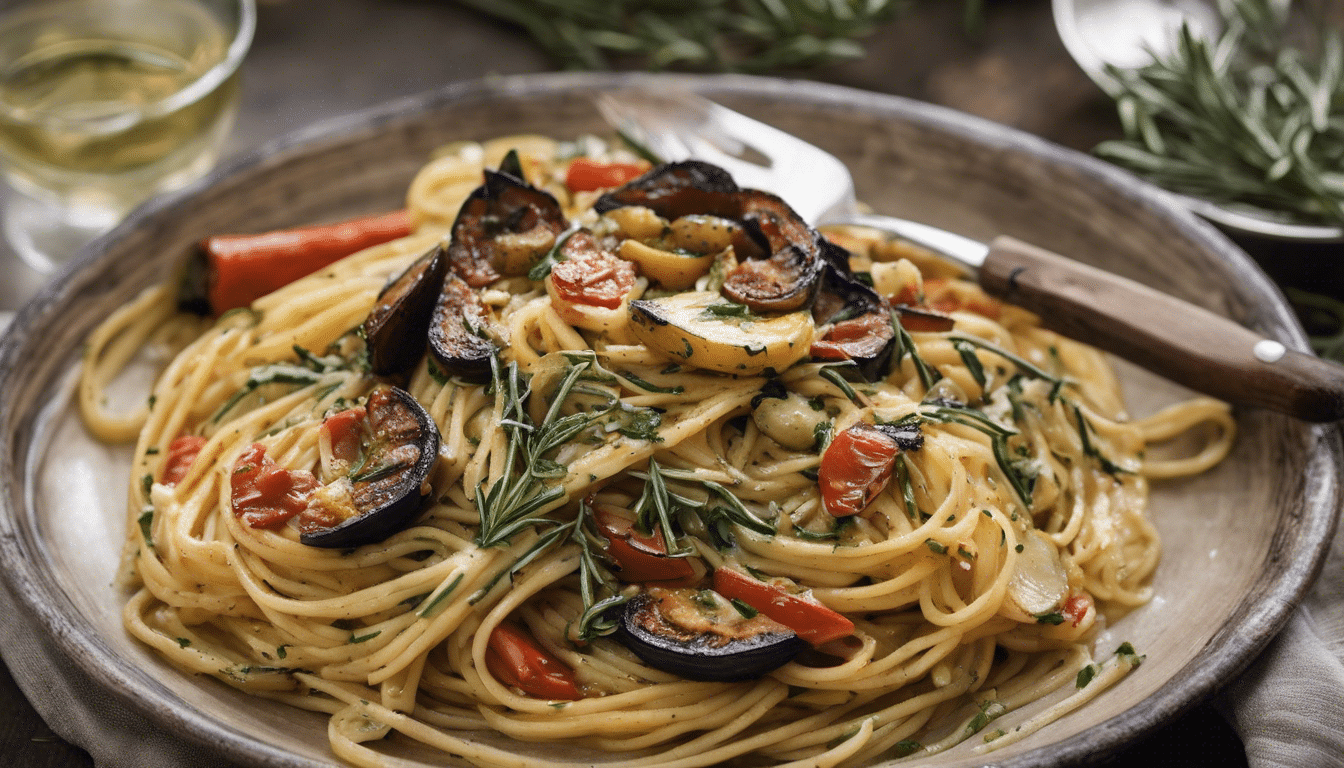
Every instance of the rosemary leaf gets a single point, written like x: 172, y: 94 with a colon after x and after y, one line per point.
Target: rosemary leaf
x: 1246, y: 121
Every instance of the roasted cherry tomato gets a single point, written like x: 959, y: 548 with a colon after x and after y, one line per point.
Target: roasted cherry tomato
x: 641, y: 557
x: 855, y: 468
x: 182, y: 454
x: 516, y: 660
x: 264, y: 494
x: 585, y: 175
x: 591, y: 276
x: 346, y: 431
x: 785, y: 602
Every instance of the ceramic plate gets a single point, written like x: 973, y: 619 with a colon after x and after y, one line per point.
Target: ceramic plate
x: 1241, y: 542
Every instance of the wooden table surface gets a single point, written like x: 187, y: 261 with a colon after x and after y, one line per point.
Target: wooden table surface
x: 313, y: 60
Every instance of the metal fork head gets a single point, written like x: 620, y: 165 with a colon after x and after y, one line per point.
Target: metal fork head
x: 679, y: 125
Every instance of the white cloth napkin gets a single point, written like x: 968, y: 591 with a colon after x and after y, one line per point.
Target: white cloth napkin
x: 1289, y: 706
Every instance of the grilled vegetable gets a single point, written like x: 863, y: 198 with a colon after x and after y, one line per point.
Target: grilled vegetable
x: 868, y: 340
x: 858, y: 463
x: 501, y: 216
x: 924, y: 320
x: 672, y: 270
x: 640, y: 557
x: 673, y: 190
x: 381, y: 464
x: 701, y: 329
x: 396, y: 327
x: 232, y: 271
x: 586, y: 175
x: 701, y: 635
x: 459, y: 332
x: 785, y: 602
x: 515, y: 659
x: 589, y: 287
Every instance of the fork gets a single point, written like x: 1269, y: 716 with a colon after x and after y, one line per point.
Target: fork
x: 1173, y: 338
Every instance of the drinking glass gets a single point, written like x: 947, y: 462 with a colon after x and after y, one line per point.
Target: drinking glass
x: 105, y: 103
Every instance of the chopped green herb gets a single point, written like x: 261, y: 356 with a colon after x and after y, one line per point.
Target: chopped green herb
x: 935, y: 546
x: 146, y: 521
x: 990, y: 710
x: 906, y: 747
x: 1085, y: 676
x: 746, y: 610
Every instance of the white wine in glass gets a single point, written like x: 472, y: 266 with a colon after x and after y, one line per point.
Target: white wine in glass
x: 105, y: 103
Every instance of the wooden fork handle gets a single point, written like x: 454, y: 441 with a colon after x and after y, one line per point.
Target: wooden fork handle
x: 1178, y: 340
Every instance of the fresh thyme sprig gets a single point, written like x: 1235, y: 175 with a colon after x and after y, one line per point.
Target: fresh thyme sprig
x: 706, y: 35
x: 1247, y: 121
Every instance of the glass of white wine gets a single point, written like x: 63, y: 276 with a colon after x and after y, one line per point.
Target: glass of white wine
x: 106, y: 103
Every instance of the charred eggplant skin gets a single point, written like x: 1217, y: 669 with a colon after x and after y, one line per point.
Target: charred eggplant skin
x: 454, y: 340
x: 404, y: 434
x: 701, y: 656
x: 396, y: 328
x: 503, y: 204
x: 673, y: 190
x: 908, y: 437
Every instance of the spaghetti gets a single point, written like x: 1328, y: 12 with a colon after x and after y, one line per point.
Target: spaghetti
x: 997, y: 497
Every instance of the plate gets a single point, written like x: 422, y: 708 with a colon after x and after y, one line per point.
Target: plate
x: 1242, y: 542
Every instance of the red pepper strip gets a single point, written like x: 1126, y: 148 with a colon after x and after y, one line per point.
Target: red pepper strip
x: 517, y: 661
x: 585, y: 175
x: 263, y: 493
x: 855, y: 468
x: 243, y: 268
x: 642, y: 557
x: 786, y: 603
x: 182, y: 454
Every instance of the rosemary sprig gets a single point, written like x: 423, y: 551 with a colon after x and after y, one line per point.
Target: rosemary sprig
x: 706, y: 35
x: 1247, y: 121
x: 513, y: 501
x: 594, y: 579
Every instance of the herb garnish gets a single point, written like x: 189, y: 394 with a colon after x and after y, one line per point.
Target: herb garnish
x: 1245, y: 120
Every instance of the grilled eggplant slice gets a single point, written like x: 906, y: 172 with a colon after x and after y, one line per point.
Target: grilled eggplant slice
x: 458, y: 332
x: 673, y: 190
x: 396, y: 327
x: 384, y: 486
x: 499, y: 216
x: 700, y: 635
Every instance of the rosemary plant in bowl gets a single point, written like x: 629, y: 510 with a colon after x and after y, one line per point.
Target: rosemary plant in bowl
x: 1247, y: 123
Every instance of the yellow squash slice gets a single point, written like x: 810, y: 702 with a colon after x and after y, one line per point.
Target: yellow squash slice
x: 702, y: 329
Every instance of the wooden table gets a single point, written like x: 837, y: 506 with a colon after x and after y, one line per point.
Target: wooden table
x: 316, y: 60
